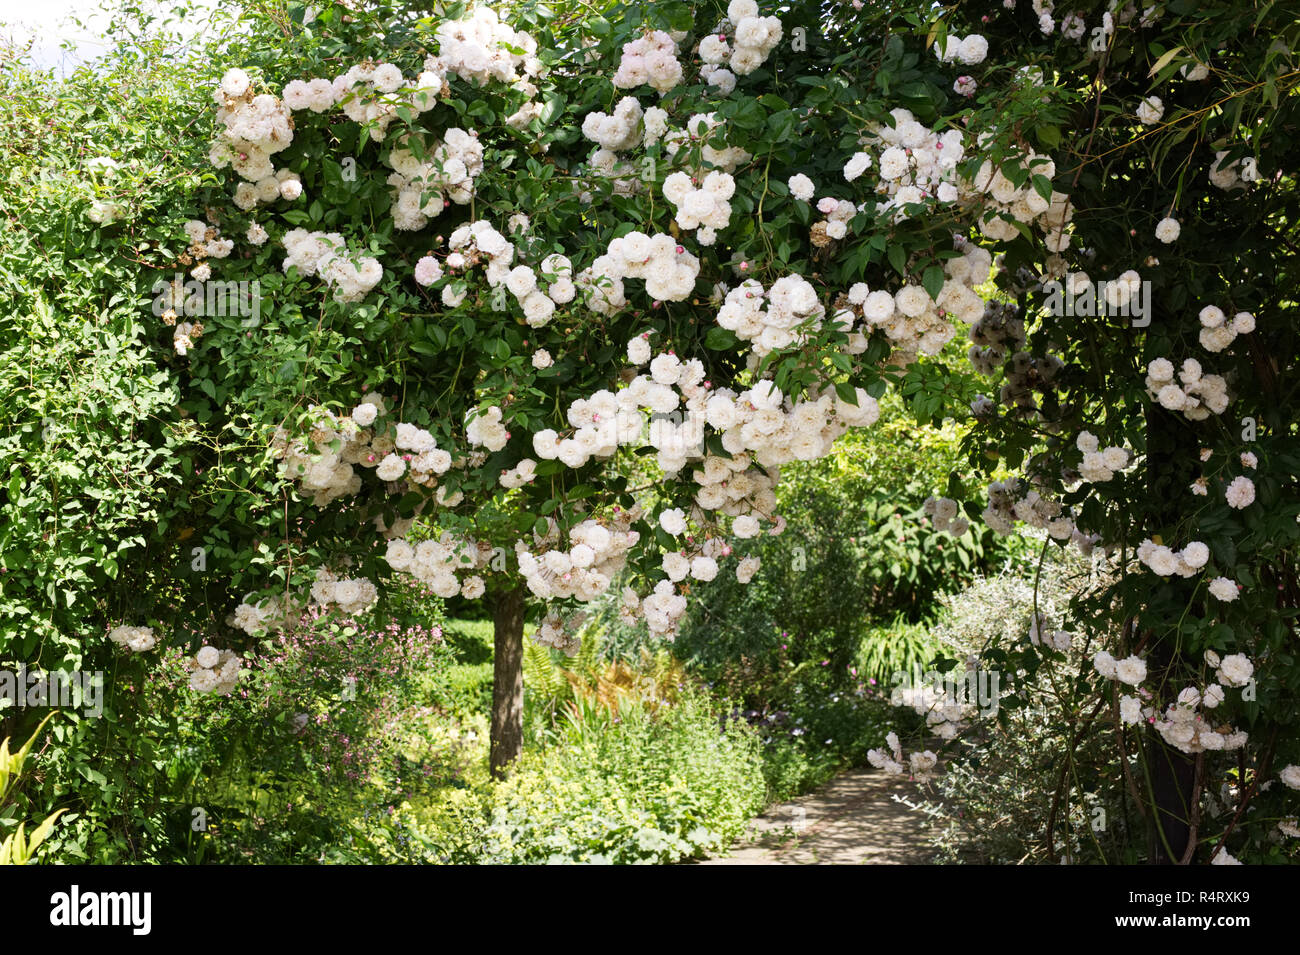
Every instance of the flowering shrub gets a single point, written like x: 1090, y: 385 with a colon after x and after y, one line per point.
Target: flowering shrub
x: 505, y: 257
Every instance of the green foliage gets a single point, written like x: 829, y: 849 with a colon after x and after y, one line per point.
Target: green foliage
x: 18, y: 848
x: 634, y: 788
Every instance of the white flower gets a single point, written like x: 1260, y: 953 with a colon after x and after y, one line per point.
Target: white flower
x: 542, y: 359
x: 364, y: 414
x: 428, y: 270
x: 856, y: 166
x: 207, y: 657
x: 746, y: 569
x: 1195, y: 554
x: 638, y: 351
x: 1150, y: 110
x: 1167, y: 230
x: 973, y: 50
x: 1130, y: 709
x: 801, y: 187
x: 390, y: 468
x: 1290, y: 776
x: 1223, y: 858
x: 1104, y: 664
x: 704, y: 568
x: 1131, y: 670
x: 1241, y: 492
x: 1224, y: 588
x: 673, y: 521
x: 1235, y: 670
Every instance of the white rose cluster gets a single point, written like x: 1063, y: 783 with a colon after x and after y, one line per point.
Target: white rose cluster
x: 755, y: 38
x: 663, y: 610
x: 1164, y: 561
x: 437, y: 563
x: 838, y: 212
x: 945, y: 516
x: 668, y: 269
x: 135, y: 639
x: 1186, y: 729
x: 325, y: 254
x: 915, y: 164
x: 649, y: 59
x: 484, y: 428
x: 1012, y: 500
x: 920, y: 766
x: 1218, y: 331
x: 327, y: 474
x: 214, y: 671
x: 1004, y: 201
x: 968, y: 50
x: 706, y: 208
x: 525, y: 472
x: 539, y: 292
x: 274, y: 613
x: 1232, y: 175
x: 423, y: 188
x: 352, y: 595
x: 596, y: 554
x: 1099, y: 464
x: 254, y: 128
x: 375, y: 94
x: 914, y: 322
x: 703, y: 128
x: 945, y: 715
x: 1196, y: 394
x: 473, y: 244
x: 1131, y: 670
x: 558, y: 633
x: 776, y: 430
x: 617, y: 132
x: 775, y: 319
x: 481, y: 47
x: 206, y: 241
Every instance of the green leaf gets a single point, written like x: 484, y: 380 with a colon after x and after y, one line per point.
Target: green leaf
x: 898, y: 259
x: 933, y: 280
x: 720, y: 339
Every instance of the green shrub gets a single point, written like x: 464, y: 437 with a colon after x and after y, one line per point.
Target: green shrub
x: 639, y: 788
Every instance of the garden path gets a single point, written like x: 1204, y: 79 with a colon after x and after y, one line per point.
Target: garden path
x: 851, y: 820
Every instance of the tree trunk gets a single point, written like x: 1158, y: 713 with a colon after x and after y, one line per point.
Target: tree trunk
x: 1170, y: 450
x: 507, y: 737
x: 1172, y: 788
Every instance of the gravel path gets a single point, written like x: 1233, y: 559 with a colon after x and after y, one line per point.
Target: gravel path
x: 850, y: 821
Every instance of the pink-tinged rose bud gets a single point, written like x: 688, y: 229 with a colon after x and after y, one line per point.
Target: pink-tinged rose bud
x: 744, y: 266
x: 680, y: 250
